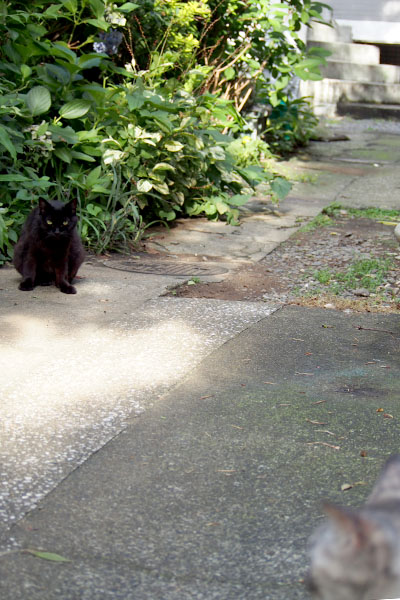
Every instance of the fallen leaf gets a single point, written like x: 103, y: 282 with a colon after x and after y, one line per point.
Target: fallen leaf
x: 363, y: 453
x: 308, y: 354
x: 387, y: 416
x: 315, y: 422
x: 46, y: 555
x: 324, y: 444
x: 346, y: 486
x: 379, y: 410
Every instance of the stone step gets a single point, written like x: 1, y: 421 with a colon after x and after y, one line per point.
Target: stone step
x: 324, y: 33
x: 363, y: 54
x: 356, y: 72
x: 330, y: 91
x: 362, y: 110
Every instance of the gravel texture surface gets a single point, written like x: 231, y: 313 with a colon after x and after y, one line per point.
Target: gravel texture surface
x: 292, y: 273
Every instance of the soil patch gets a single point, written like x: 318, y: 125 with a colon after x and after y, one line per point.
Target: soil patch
x: 320, y: 267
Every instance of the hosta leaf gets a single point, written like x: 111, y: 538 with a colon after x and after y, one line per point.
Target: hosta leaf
x: 38, y: 100
x: 74, y: 109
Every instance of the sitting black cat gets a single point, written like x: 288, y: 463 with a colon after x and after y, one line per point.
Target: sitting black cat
x: 49, y: 248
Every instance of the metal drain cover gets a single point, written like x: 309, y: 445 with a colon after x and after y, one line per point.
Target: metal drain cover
x: 171, y: 268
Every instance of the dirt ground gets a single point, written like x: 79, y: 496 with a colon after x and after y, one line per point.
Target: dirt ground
x: 287, y: 275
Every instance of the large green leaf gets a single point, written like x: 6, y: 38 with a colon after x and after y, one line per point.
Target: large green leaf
x: 64, y: 154
x: 128, y: 7
x: 63, y: 134
x: 38, y: 100
x: 7, y: 143
x: 74, y: 109
x: 13, y: 177
x: 281, y: 187
x: 93, y: 176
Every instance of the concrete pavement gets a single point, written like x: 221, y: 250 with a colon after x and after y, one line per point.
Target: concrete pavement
x: 140, y: 437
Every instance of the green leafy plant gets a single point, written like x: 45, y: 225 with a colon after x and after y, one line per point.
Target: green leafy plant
x: 133, y: 108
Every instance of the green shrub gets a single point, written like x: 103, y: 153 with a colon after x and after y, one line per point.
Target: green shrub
x: 117, y: 104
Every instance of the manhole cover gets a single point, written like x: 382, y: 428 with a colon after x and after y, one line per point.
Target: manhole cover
x: 174, y: 269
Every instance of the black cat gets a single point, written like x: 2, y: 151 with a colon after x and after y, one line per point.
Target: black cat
x: 49, y: 248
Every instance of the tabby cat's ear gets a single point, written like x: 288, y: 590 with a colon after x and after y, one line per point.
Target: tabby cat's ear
x: 43, y: 205
x: 355, y: 526
x: 72, y: 206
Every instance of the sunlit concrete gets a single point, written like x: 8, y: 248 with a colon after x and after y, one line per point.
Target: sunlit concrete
x: 76, y: 369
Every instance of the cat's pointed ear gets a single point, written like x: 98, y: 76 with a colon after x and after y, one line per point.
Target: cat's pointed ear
x: 354, y: 525
x: 72, y: 206
x: 43, y: 205
x: 388, y: 485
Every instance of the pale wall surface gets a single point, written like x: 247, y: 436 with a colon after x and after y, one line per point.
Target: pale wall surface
x: 371, y: 21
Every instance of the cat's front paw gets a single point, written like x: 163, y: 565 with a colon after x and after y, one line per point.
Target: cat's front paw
x: 66, y: 288
x: 26, y: 285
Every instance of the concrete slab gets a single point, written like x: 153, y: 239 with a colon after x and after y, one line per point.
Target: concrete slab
x: 213, y: 491
x: 75, y: 368
x: 207, y: 490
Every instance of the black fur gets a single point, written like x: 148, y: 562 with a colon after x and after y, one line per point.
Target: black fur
x: 49, y: 249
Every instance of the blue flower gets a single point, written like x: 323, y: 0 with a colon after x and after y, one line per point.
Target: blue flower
x: 110, y: 42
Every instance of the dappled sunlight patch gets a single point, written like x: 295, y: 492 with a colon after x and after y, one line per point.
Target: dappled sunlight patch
x: 47, y: 370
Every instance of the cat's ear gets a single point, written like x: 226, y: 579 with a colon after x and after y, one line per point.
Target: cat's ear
x: 43, y: 206
x: 358, y: 528
x: 388, y: 485
x: 72, y: 206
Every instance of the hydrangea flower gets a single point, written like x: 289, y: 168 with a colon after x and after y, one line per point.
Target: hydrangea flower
x: 109, y: 42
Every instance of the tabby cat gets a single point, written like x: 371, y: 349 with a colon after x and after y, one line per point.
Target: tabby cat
x: 49, y: 249
x: 356, y: 555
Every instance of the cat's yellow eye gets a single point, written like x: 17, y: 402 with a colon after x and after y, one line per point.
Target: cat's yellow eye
x: 65, y: 222
x: 49, y: 222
